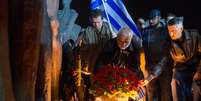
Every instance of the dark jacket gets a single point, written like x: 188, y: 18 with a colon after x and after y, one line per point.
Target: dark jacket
x: 113, y: 55
x: 186, y: 52
x: 68, y: 62
x: 156, y: 43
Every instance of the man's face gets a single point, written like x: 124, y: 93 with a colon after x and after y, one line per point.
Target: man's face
x: 141, y: 23
x: 175, y: 31
x: 123, y: 41
x: 154, y: 21
x: 97, y: 22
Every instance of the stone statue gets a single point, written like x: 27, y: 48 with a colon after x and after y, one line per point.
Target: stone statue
x: 68, y: 29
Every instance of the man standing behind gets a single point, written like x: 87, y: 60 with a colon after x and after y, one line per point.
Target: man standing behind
x: 185, y: 51
x: 156, y: 44
x: 93, y: 38
x: 91, y: 42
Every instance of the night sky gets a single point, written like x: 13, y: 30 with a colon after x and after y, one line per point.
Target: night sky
x: 190, y: 9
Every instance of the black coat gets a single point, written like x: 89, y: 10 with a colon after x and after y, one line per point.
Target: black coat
x: 113, y: 55
x: 156, y: 44
x: 187, y: 51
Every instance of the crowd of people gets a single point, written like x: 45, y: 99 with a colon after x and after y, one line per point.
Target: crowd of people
x: 172, y: 57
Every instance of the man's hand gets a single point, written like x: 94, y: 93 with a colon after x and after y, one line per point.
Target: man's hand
x: 197, y: 76
x: 143, y: 82
x: 147, y: 80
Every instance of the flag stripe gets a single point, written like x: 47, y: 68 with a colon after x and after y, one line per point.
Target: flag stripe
x: 96, y: 4
x: 123, y: 8
x: 120, y: 4
x: 114, y: 22
x: 121, y: 14
x: 115, y: 16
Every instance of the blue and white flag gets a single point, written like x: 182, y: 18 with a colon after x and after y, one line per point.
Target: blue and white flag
x: 115, y: 14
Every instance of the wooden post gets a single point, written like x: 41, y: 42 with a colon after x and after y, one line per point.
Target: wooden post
x: 25, y: 17
x: 56, y: 60
x: 6, y: 90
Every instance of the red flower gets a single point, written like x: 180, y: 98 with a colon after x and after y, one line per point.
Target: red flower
x: 112, y: 79
x: 110, y: 87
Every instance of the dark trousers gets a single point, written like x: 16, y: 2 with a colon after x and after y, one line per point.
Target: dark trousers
x: 196, y: 90
x: 182, y: 85
x: 159, y: 89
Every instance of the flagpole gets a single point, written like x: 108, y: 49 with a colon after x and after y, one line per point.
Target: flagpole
x: 113, y: 33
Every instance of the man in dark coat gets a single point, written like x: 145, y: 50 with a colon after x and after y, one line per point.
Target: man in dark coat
x: 156, y: 44
x: 186, y: 52
x: 122, y: 51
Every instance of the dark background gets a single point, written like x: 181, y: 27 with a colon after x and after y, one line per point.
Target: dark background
x: 189, y: 9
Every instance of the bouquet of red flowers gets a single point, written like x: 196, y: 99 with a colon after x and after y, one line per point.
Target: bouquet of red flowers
x: 114, y: 80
